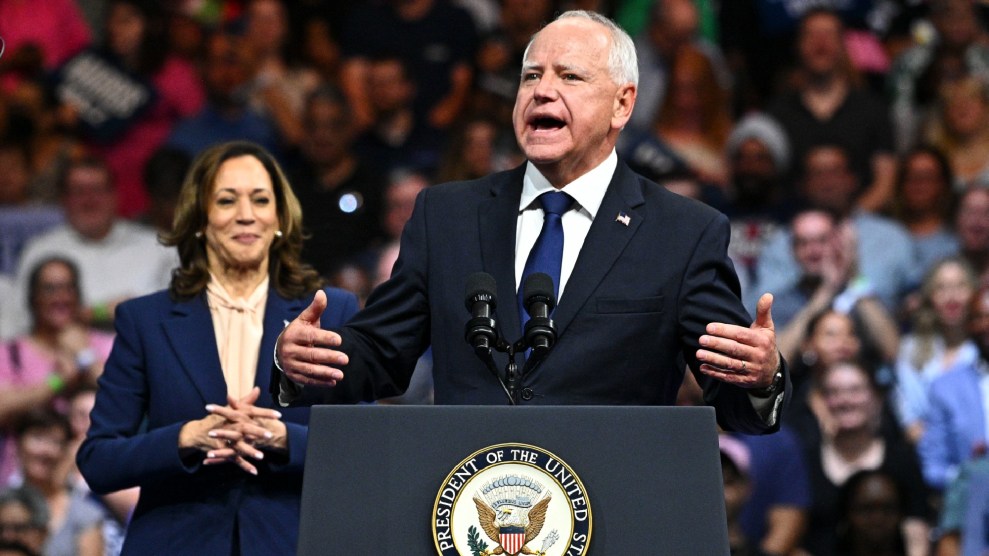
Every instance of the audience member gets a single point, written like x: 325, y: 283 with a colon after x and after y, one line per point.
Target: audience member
x: 855, y: 441
x: 735, y: 466
x: 872, y: 510
x: 145, y: 90
x: 672, y: 26
x: 397, y: 137
x: 825, y: 251
x: 476, y: 149
x: 775, y: 515
x: 957, y: 48
x: 960, y: 129
x: 75, y: 522
x: 435, y: 40
x: 163, y: 176
x: 758, y: 156
x: 938, y: 341
x: 955, y: 424
x: 278, y: 87
x: 498, y: 55
x: 38, y: 37
x: 924, y: 203
x: 694, y: 118
x: 342, y: 193
x: 828, y: 106
x: 963, y: 528
x: 972, y: 230
x: 886, y: 259
x: 226, y: 116
x: 117, y: 259
x: 20, y: 218
x: 23, y: 519
x: 59, y: 354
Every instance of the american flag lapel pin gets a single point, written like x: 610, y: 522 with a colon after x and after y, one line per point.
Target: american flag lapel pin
x: 624, y: 218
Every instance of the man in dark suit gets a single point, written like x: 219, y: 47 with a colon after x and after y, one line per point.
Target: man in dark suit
x: 644, y: 286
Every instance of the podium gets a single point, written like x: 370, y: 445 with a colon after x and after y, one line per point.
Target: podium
x: 651, y: 475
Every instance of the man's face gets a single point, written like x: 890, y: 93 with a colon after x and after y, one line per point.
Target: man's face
x: 813, y: 236
x: 820, y: 44
x: 327, y: 131
x: 828, y: 181
x: 978, y: 322
x: 754, y: 169
x: 569, y: 110
x: 972, y: 220
x: 389, y: 87
x: 90, y: 201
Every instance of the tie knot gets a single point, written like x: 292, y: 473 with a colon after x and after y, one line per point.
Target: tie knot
x: 556, y: 202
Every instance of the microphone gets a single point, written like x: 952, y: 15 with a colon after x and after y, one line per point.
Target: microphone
x: 480, y: 330
x: 481, y: 302
x: 539, y: 301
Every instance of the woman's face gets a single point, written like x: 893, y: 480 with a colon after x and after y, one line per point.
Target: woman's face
x: 56, y: 303
x: 950, y: 293
x: 965, y: 113
x: 874, y: 511
x: 40, y: 451
x: 849, y: 397
x: 923, y: 183
x: 125, y: 27
x: 242, y: 217
x: 834, y: 340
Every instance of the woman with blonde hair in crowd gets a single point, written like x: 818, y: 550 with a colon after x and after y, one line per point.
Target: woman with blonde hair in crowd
x: 938, y: 342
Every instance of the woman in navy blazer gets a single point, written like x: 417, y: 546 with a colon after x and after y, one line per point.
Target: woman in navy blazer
x: 220, y: 471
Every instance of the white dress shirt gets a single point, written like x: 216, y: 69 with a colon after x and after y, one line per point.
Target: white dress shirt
x: 587, y: 191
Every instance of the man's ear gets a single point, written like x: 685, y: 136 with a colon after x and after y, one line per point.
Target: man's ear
x: 624, y: 101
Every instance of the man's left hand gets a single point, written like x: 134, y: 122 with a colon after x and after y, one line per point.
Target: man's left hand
x: 745, y: 357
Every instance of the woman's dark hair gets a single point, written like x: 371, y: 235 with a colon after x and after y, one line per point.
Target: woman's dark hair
x: 947, y: 200
x: 43, y: 419
x: 846, y: 497
x: 288, y: 274
x: 34, y: 278
x: 153, y: 49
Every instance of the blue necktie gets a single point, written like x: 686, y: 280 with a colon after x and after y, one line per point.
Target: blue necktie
x: 547, y: 254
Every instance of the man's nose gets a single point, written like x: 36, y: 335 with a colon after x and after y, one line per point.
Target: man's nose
x: 546, y: 87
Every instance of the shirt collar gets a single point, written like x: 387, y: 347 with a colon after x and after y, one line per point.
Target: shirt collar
x: 588, y: 190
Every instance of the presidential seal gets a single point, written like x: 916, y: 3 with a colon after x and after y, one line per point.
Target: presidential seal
x: 512, y: 499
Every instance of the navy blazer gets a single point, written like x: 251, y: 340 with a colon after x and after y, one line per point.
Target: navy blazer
x: 163, y: 370
x: 642, y: 291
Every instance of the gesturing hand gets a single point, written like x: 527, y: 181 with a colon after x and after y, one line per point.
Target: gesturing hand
x: 305, y: 351
x: 746, y: 357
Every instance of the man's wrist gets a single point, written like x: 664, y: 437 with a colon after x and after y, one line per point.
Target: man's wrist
x: 774, y: 387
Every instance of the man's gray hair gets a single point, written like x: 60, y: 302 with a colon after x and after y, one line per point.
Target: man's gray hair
x: 622, y: 63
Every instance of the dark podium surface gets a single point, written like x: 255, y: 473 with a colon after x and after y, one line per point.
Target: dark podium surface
x: 652, y: 475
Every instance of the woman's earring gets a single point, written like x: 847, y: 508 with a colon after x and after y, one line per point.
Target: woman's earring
x: 278, y: 233
x: 199, y: 235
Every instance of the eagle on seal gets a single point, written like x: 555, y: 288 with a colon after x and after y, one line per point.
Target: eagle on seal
x: 498, y: 523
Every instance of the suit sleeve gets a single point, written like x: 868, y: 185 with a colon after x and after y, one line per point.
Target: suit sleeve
x: 711, y: 293
x: 385, y: 339
x: 116, y: 453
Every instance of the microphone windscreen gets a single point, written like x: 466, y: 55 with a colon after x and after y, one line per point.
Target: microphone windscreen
x: 539, y: 286
x: 480, y: 285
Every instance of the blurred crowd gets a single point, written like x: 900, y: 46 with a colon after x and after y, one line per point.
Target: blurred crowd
x: 846, y: 140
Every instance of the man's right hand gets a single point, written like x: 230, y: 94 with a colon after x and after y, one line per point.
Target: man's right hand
x: 306, y: 353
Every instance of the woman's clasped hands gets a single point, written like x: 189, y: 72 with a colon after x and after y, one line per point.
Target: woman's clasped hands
x: 238, y: 433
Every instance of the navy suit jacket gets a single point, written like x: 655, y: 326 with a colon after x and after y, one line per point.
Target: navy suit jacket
x: 638, y: 300
x: 163, y: 370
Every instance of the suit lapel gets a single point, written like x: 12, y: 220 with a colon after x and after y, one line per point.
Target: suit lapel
x: 277, y: 311
x: 190, y: 333
x: 603, y: 245
x: 498, y: 219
